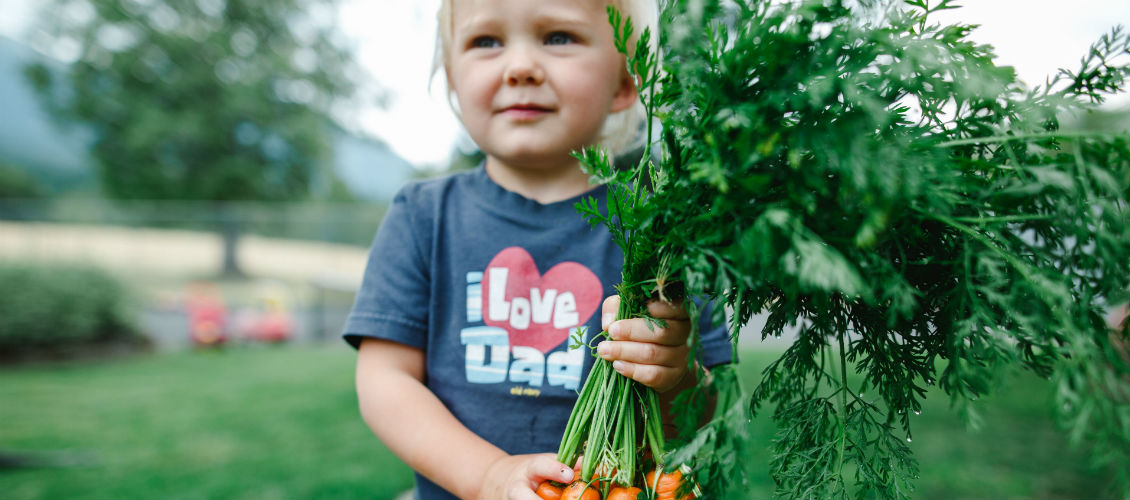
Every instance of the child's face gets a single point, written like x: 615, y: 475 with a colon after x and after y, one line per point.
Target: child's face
x: 535, y: 79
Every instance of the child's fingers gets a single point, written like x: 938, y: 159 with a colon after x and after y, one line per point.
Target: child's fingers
x: 545, y: 466
x: 608, y: 311
x: 642, y: 330
x: 651, y: 355
x: 667, y: 310
x: 660, y: 378
x: 657, y: 308
x: 643, y: 353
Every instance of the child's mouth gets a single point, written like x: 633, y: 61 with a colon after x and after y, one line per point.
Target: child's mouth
x: 524, y: 112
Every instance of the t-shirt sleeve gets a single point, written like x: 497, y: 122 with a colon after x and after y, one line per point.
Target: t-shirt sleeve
x: 715, y: 339
x: 392, y: 303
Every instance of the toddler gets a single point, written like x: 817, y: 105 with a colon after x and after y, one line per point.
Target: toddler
x: 476, y: 281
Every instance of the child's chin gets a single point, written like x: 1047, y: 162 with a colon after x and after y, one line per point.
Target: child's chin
x: 533, y: 159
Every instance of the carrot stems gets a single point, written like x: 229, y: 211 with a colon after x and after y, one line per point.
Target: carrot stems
x: 606, y: 424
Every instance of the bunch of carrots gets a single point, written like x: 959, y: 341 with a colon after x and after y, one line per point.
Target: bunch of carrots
x: 657, y: 485
x: 615, y: 437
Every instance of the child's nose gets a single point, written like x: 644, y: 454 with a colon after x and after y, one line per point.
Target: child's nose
x: 522, y: 69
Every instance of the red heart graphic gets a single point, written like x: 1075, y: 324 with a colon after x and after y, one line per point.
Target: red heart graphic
x: 537, y: 310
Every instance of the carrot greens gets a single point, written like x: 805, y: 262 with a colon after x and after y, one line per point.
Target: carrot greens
x: 873, y: 179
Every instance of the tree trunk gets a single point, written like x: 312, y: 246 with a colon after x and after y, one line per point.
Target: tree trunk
x: 230, y: 231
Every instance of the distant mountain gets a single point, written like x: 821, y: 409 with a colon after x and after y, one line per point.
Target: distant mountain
x: 368, y: 167
x: 57, y: 155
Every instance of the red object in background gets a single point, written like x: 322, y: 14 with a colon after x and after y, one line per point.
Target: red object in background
x: 267, y: 319
x: 207, y: 315
x: 271, y: 325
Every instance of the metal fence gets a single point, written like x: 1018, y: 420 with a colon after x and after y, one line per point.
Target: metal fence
x: 343, y: 222
x: 304, y: 259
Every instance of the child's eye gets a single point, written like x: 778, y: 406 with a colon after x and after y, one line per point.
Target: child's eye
x: 484, y: 42
x: 559, y: 38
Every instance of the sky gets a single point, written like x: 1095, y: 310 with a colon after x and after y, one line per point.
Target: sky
x: 394, y: 41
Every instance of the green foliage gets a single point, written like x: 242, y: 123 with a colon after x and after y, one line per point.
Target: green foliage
x: 201, y: 100
x: 18, y: 183
x: 56, y: 308
x: 878, y: 181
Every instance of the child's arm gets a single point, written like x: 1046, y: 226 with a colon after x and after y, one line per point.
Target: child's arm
x: 653, y: 356
x: 418, y: 428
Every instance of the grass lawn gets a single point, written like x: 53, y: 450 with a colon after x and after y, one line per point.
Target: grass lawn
x: 268, y: 423
x: 258, y: 423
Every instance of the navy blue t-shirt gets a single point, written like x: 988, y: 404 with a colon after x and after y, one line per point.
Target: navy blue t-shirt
x: 491, y: 285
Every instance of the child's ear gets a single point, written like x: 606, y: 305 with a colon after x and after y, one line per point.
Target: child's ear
x: 626, y: 95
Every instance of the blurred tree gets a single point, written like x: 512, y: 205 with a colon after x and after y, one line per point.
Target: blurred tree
x: 213, y: 100
x: 17, y: 183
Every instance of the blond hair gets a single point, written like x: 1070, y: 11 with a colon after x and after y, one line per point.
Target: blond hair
x: 622, y: 130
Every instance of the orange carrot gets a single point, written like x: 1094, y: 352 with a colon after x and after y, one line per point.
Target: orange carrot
x: 549, y: 491
x: 603, y: 474
x: 624, y: 493
x: 667, y: 486
x: 580, y: 490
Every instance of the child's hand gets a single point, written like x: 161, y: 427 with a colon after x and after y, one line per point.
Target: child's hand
x: 517, y: 476
x: 651, y: 355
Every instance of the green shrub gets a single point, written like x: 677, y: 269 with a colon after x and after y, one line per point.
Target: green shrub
x: 18, y: 183
x: 56, y: 309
